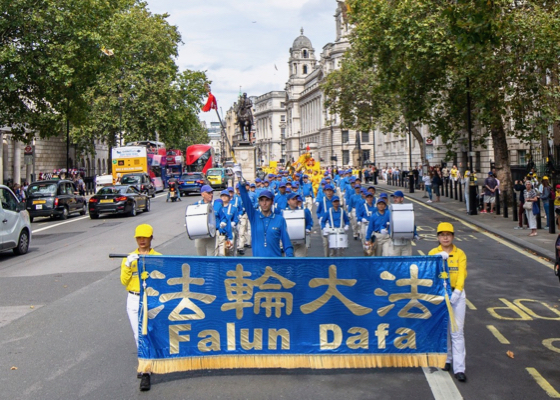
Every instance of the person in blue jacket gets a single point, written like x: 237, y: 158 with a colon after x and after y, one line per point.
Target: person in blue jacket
x: 242, y: 228
x: 281, y: 199
x: 379, y: 225
x: 353, y: 205
x: 268, y: 229
x: 300, y: 249
x: 229, y: 219
x: 335, y: 217
x: 308, y: 194
x: 208, y: 246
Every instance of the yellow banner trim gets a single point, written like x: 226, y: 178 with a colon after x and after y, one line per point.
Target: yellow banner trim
x: 332, y: 361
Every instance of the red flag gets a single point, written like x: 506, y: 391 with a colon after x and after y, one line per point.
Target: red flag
x: 211, y: 104
x: 308, y: 148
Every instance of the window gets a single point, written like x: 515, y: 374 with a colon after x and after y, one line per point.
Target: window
x: 282, y: 104
x: 365, y: 137
x: 365, y: 155
x: 9, y: 202
x: 305, y: 69
x: 295, y: 68
x: 521, y: 157
x: 344, y: 136
x: 282, y: 118
x: 305, y: 54
x: 345, y: 157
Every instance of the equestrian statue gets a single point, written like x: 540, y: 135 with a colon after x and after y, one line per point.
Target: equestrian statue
x: 245, y: 116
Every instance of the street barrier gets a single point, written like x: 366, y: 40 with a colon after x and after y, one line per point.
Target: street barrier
x: 199, y: 313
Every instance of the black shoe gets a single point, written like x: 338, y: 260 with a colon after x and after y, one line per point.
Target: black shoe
x: 139, y: 375
x: 355, y: 237
x: 447, y: 367
x: 145, y: 382
x: 461, y: 377
x: 247, y: 246
x: 241, y: 252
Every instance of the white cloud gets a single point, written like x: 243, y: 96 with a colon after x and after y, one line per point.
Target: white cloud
x: 239, y: 42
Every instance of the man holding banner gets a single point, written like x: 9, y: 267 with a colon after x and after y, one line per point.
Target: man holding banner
x: 129, y: 278
x: 268, y: 229
x: 457, y: 262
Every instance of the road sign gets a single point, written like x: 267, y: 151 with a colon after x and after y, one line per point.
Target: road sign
x: 28, y: 150
x: 28, y: 159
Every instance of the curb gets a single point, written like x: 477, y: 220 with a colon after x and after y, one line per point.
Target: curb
x: 550, y: 255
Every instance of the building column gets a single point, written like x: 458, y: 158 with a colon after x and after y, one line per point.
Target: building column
x: 17, y: 162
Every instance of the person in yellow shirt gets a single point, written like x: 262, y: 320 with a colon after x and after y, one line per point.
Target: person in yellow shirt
x: 130, y: 279
x: 457, y: 262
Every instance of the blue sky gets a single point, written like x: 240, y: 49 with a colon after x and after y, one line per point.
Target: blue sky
x: 238, y: 43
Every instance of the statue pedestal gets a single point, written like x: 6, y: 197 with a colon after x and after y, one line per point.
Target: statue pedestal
x: 246, y: 157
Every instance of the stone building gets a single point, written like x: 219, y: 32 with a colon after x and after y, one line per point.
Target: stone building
x: 270, y: 127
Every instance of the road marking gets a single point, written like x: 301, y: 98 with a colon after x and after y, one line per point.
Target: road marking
x: 548, y: 344
x: 543, y: 383
x: 441, y: 384
x: 62, y: 223
x: 421, y: 253
x: 497, y: 334
x: 490, y: 235
x: 470, y: 305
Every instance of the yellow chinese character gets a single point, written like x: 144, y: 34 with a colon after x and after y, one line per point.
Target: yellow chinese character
x: 238, y: 289
x: 332, y: 282
x: 185, y: 295
x: 273, y: 299
x: 414, y: 296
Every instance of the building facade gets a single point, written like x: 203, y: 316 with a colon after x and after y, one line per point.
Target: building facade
x: 269, y: 113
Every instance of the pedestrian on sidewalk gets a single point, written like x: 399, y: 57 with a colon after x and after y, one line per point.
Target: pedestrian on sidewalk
x: 531, y: 197
x: 437, y: 182
x: 545, y: 196
x: 427, y: 179
x: 144, y: 235
x: 490, y: 187
x: 457, y: 262
x: 520, y: 187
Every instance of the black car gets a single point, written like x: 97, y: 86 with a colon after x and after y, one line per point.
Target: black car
x: 141, y: 181
x: 54, y: 198
x: 123, y: 199
x: 191, y: 182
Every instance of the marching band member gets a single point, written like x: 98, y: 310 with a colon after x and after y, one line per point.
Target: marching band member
x: 300, y: 249
x: 353, y: 204
x: 268, y: 229
x: 228, y: 221
x: 335, y: 217
x: 378, y: 226
x: 208, y: 246
x: 322, y: 209
x: 281, y: 199
x: 242, y: 228
x: 308, y: 195
x: 399, y: 246
x: 364, y: 214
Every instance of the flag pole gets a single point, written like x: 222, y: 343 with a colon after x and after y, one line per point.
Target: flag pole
x: 225, y: 135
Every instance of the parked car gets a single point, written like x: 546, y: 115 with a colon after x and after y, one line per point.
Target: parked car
x: 54, y: 198
x: 141, y: 181
x: 220, y: 177
x: 122, y: 199
x: 191, y: 182
x: 16, y: 225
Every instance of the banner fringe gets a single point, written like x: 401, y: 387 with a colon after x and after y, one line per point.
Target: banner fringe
x: 166, y: 366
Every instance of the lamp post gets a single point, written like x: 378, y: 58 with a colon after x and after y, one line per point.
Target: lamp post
x: 120, y: 119
x: 472, y: 185
x: 410, y: 174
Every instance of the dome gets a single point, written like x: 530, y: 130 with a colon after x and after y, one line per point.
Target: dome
x: 302, y: 42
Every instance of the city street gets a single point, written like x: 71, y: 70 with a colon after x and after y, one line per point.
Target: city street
x: 65, y: 334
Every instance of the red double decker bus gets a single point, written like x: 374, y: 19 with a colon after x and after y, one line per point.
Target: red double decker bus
x: 199, y: 158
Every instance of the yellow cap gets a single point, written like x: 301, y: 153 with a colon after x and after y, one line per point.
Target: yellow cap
x: 144, y: 230
x: 445, y: 227
x: 545, y: 177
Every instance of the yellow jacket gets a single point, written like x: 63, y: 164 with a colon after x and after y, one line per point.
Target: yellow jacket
x: 129, y: 276
x: 457, y: 263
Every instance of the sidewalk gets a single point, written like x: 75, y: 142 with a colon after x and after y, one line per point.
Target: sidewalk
x: 542, y: 244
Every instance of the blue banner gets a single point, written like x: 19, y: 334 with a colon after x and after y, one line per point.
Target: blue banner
x: 209, y: 313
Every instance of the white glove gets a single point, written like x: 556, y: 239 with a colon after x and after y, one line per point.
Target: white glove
x: 325, y: 232
x: 455, y: 296
x: 316, y: 204
x: 384, y: 231
x: 130, y: 259
x: 416, y: 237
x: 364, y: 220
x: 308, y: 231
x: 359, y: 223
x: 443, y: 255
x: 223, y: 225
x: 232, y: 224
x: 346, y: 227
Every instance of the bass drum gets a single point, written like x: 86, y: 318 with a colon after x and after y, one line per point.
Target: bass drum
x: 338, y: 239
x: 295, y: 222
x: 200, y: 221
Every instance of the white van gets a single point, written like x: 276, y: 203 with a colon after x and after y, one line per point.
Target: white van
x: 16, y: 226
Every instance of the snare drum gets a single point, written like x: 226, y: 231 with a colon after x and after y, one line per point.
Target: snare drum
x: 338, y: 239
x: 295, y: 222
x: 200, y: 221
x: 402, y: 221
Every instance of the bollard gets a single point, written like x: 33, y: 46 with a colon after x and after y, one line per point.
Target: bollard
x: 497, y: 201
x: 552, y: 219
x: 456, y: 187
x: 446, y: 189
x: 539, y: 222
x: 461, y: 199
x: 505, y: 207
x: 515, y: 209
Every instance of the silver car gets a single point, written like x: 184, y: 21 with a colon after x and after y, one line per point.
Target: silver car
x: 16, y: 226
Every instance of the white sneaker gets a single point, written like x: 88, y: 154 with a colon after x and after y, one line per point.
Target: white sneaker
x: 429, y: 201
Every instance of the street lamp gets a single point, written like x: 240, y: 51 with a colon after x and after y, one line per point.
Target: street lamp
x: 410, y: 174
x: 472, y: 185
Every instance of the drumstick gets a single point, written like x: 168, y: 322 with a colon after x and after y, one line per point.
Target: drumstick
x: 119, y: 255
